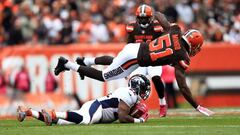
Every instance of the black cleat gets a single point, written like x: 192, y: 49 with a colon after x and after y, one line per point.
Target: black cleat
x: 80, y: 62
x: 60, y: 65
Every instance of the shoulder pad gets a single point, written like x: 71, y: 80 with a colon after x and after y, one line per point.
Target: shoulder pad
x: 157, y: 27
x: 184, y: 64
x: 130, y: 27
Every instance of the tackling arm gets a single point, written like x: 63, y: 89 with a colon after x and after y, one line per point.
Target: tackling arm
x: 181, y: 81
x: 123, y: 114
x: 162, y: 20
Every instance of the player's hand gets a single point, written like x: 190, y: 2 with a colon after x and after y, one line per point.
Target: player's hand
x: 204, y: 111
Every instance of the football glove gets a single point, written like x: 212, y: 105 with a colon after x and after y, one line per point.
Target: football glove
x: 138, y: 110
x: 204, y: 111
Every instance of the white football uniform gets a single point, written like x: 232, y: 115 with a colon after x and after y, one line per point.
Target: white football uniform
x: 110, y: 103
x: 151, y: 71
x: 124, y: 64
x: 105, y: 109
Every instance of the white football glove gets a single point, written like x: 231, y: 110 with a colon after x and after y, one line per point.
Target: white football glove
x: 142, y: 120
x: 204, y: 111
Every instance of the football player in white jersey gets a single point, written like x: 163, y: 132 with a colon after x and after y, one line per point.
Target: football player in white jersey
x: 105, y: 109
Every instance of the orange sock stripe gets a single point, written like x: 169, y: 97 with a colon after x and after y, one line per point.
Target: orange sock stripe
x: 54, y: 114
x: 129, y: 63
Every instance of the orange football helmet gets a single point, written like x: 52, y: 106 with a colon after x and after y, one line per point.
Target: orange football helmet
x: 144, y: 15
x: 194, y: 40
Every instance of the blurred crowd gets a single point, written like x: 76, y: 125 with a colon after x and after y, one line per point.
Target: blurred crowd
x: 59, y: 22
x: 15, y: 84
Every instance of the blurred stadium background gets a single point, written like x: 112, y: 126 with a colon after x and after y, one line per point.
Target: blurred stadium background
x: 34, y: 33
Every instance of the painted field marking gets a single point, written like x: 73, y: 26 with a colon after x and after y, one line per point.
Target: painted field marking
x: 175, y: 126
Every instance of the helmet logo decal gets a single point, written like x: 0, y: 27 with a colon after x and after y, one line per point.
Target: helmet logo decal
x: 142, y: 13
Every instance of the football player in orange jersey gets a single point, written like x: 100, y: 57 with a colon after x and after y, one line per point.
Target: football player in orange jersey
x: 172, y: 48
x: 146, y: 28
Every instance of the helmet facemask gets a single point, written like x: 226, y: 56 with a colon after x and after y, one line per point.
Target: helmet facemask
x: 140, y: 85
x: 144, y: 21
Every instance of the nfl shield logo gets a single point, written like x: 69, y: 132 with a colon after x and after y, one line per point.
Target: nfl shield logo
x: 143, y: 31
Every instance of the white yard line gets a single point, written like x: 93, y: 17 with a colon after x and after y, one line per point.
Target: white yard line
x: 174, y: 126
x: 193, y: 112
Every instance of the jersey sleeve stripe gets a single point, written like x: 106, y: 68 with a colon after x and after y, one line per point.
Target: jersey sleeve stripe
x: 129, y: 63
x: 184, y: 64
x: 129, y: 28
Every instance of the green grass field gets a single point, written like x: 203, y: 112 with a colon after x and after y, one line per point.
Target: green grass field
x: 175, y: 124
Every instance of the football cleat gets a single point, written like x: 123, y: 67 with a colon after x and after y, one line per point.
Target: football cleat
x: 21, y: 114
x: 80, y: 61
x: 204, y: 111
x: 163, y: 111
x: 47, y: 117
x: 60, y: 66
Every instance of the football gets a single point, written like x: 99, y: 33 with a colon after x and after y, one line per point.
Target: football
x: 138, y: 110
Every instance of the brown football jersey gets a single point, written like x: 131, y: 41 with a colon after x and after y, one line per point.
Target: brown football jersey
x: 137, y: 34
x: 168, y: 49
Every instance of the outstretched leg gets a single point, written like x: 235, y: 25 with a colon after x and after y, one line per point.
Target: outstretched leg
x: 49, y: 117
x: 86, y: 61
x: 102, y: 60
x: 64, y: 118
x: 122, y: 65
x: 90, y: 113
x: 159, y: 86
x: 64, y: 64
x: 155, y: 73
x: 23, y: 112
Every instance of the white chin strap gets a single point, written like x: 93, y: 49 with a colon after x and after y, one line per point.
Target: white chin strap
x: 144, y: 25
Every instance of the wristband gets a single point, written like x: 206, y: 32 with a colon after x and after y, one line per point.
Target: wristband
x: 138, y: 120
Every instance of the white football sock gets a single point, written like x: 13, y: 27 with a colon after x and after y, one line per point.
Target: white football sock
x: 61, y: 115
x: 71, y: 65
x: 162, y: 101
x: 64, y: 122
x: 89, y: 61
x: 35, y: 114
